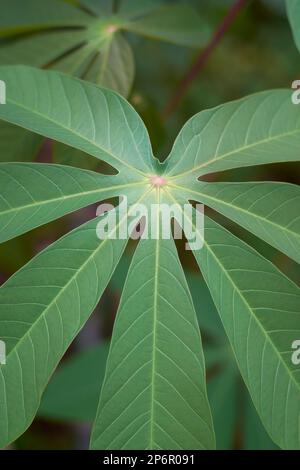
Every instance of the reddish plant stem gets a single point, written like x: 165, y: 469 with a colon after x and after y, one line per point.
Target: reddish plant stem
x: 198, y: 65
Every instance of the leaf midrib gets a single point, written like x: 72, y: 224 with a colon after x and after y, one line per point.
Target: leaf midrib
x: 251, y: 214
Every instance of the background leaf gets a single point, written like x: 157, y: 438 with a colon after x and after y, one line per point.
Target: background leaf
x: 53, y: 296
x: 269, y: 210
x: 73, y: 392
x: 18, y: 17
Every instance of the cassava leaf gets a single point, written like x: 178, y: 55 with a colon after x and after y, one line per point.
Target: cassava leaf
x: 66, y: 155
x: 260, y: 310
x: 269, y: 210
x: 36, y: 193
x: 154, y: 394
x: 222, y: 398
x: 135, y: 8
x: 68, y: 110
x: 42, y: 307
x: 28, y: 15
x: 261, y: 128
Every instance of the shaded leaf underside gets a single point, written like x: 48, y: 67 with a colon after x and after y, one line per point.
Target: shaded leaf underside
x: 42, y: 308
x: 154, y: 393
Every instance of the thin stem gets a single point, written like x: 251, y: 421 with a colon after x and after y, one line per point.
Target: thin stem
x: 198, y: 65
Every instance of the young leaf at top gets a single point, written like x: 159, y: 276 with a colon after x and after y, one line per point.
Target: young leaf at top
x: 259, y: 207
x: 154, y: 393
x: 260, y: 310
x: 66, y: 397
x: 42, y: 307
x: 29, y: 15
x: 95, y: 49
x: 17, y: 144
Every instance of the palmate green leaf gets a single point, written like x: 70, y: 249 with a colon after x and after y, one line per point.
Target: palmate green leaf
x: 42, y: 307
x: 28, y: 15
x: 66, y: 155
x: 293, y: 12
x: 154, y: 394
x: 178, y: 24
x: 269, y: 210
x: 33, y: 194
x: 17, y: 144
x: 261, y: 128
x: 113, y: 66
x: 260, y: 310
x: 73, y: 391
x: 68, y: 110
x: 66, y: 398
